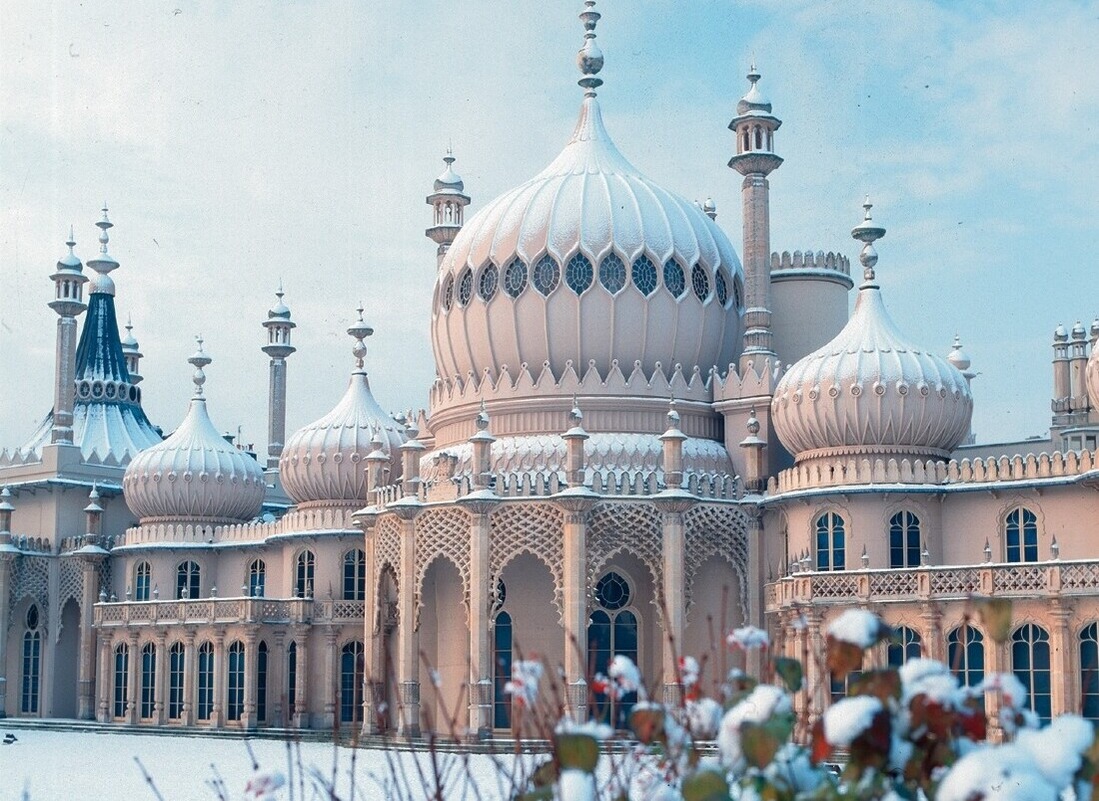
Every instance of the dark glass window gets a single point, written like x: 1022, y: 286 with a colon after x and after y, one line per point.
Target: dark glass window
x: 831, y: 548
x: 303, y: 584
x: 142, y: 586
x: 465, y: 287
x: 188, y: 580
x: 612, y: 273
x: 448, y: 293
x: 501, y: 671
x: 1089, y: 672
x: 904, y: 540
x: 674, y: 278
x: 515, y: 278
x: 205, y: 706
x: 354, y: 575
x: 292, y: 678
x: 1021, y: 535
x: 486, y: 285
x: 700, y: 282
x: 257, y: 578
x: 148, y: 680
x: 578, y: 273
x: 545, y: 275
x: 904, y: 645
x: 965, y: 653
x: 261, y: 682
x: 176, y: 668
x: 721, y: 287
x: 352, y: 668
x: 32, y: 663
x: 612, y: 630
x: 235, y: 707
x: 1030, y: 664
x: 121, y: 679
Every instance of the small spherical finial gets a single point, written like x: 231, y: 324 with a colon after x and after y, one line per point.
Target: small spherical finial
x: 590, y: 57
x: 958, y: 357
x: 710, y: 208
x: 753, y: 422
x: 199, y: 359
x: 482, y: 418
x: 673, y: 415
x: 360, y: 331
x: 576, y: 417
x: 868, y: 233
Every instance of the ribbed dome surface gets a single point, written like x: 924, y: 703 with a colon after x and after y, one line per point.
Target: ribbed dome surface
x: 194, y: 475
x: 868, y: 391
x: 590, y: 262
x: 323, y: 462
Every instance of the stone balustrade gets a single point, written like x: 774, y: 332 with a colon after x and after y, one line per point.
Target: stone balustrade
x: 1014, y: 580
x: 226, y: 611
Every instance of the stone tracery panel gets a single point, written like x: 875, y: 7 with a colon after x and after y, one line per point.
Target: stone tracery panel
x: 534, y: 528
x: 71, y: 584
x: 387, y: 544
x: 716, y: 530
x: 635, y: 528
x: 30, y: 577
x: 442, y: 532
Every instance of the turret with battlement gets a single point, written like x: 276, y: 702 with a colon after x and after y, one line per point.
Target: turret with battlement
x: 807, y: 285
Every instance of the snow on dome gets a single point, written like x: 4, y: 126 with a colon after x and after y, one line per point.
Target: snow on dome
x: 587, y: 262
x: 869, y: 391
x: 195, y: 475
x: 753, y: 101
x: 449, y: 180
x: 322, y: 463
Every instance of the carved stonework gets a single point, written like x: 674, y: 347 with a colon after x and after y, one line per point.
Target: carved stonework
x: 634, y: 528
x: 30, y: 579
x: 717, y: 530
x: 442, y: 533
x: 534, y: 528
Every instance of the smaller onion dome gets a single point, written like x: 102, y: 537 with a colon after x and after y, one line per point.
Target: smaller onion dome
x: 1079, y: 333
x: 324, y: 462
x: 754, y: 99
x: 958, y: 357
x: 1060, y: 334
x: 449, y: 179
x: 1095, y: 329
x: 869, y: 392
x: 195, y: 475
x: 129, y: 343
x: 281, y: 311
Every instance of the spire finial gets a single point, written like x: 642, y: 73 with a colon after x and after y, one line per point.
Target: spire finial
x: 104, y: 226
x: 200, y: 360
x: 71, y: 241
x: 590, y: 57
x: 753, y: 74
x: 129, y: 326
x: 360, y: 331
x: 868, y: 233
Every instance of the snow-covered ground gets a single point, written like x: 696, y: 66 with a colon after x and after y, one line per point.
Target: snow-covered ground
x: 69, y: 766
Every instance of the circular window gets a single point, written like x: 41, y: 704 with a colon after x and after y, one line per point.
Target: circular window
x: 721, y: 288
x: 97, y: 389
x: 32, y: 617
x: 700, y: 282
x: 612, y: 592
x: 674, y: 278
x: 85, y: 389
x: 612, y: 274
x: 110, y: 390
x: 546, y: 275
x: 486, y: 286
x: 465, y: 287
x: 448, y: 293
x: 578, y: 273
x: 515, y: 278
x: 644, y: 275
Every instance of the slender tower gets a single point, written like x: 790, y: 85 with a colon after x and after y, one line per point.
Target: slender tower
x: 68, y: 302
x: 132, y: 351
x: 448, y: 202
x: 755, y: 159
x: 278, y: 347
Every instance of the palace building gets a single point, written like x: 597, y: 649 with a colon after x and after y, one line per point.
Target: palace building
x: 633, y: 440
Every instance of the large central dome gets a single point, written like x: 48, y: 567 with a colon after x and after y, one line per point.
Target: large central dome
x: 588, y: 262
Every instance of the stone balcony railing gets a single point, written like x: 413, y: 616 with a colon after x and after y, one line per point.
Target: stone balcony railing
x: 226, y: 611
x: 1026, y: 580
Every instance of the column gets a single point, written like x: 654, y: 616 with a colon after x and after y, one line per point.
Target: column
x: 251, y: 671
x: 106, y: 680
x: 331, y: 674
x: 276, y: 672
x: 217, y: 717
x: 301, y: 686
x: 133, y: 697
x: 408, y: 664
x: 370, y: 622
x: 757, y: 582
x: 673, y: 592
x: 934, y: 647
x: 758, y: 339
x: 996, y: 661
x: 160, y: 700
x: 6, y: 560
x: 190, y: 670
x: 1065, y: 677
x: 575, y: 578
x: 86, y: 666
x: 817, y: 678
x: 480, y: 606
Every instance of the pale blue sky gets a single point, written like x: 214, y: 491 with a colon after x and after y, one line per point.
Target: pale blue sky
x: 240, y: 143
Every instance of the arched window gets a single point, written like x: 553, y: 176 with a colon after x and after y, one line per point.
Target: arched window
x: 612, y: 273
x: 354, y: 575
x: 303, y: 585
x: 352, y: 667
x: 1030, y: 664
x: 257, y: 578
x: 148, y: 680
x: 261, y: 682
x: 188, y: 582
x: 32, y: 663
x: 234, y: 707
x: 831, y: 545
x: 965, y: 654
x: 838, y: 690
x: 501, y: 671
x: 465, y: 287
x: 644, y: 275
x: 759, y: 138
x: 904, y: 540
x: 674, y: 278
x: 205, y: 705
x: 578, y: 273
x: 545, y: 275
x: 121, y: 679
x: 1021, y: 535
x: 292, y: 679
x: 142, y: 581
x: 486, y: 284
x: 612, y: 631
x: 1089, y: 672
x: 905, y: 645
x: 745, y: 145
x: 177, y: 664
x: 700, y: 282
x: 515, y: 278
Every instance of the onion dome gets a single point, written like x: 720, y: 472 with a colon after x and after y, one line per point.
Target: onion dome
x: 449, y: 180
x: 958, y: 357
x: 195, y: 475
x: 869, y: 391
x: 104, y: 263
x: 323, y: 463
x: 753, y: 101
x: 587, y: 263
x: 1060, y: 334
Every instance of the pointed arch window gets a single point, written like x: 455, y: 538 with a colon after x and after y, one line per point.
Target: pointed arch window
x: 262, y: 657
x: 612, y: 630
x: 486, y: 284
x: 721, y: 288
x: 644, y: 275
x: 515, y: 278
x: 32, y: 663
x: 545, y: 275
x: 1021, y: 535
x: 965, y: 654
x: 205, y: 705
x: 303, y: 579
x: 142, y: 581
x: 257, y: 578
x: 188, y: 580
x: 904, y: 540
x: 235, y: 707
x: 831, y: 542
x: 501, y: 670
x: 700, y: 282
x: 352, y: 674
x: 148, y: 680
x: 612, y: 273
x: 176, y: 666
x: 1089, y: 672
x: 674, y: 278
x: 465, y: 287
x: 292, y: 679
x: 578, y: 273
x: 1031, y: 665
x: 905, y: 645
x: 121, y: 679
x: 354, y: 575
x: 448, y: 293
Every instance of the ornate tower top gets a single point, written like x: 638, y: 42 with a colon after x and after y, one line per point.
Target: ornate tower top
x: 104, y: 263
x: 132, y: 351
x: 279, y: 325
x: 360, y: 331
x: 68, y: 280
x: 867, y: 233
x: 590, y: 58
x: 448, y: 201
x: 199, y: 359
x: 755, y: 128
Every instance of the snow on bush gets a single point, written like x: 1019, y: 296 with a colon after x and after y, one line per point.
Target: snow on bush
x: 846, y: 719
x: 857, y: 627
x: 526, y: 675
x: 748, y: 638
x: 763, y: 703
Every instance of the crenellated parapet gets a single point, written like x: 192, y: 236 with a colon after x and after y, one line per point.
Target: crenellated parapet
x: 751, y: 382
x: 854, y: 472
x: 829, y: 266
x: 315, y: 520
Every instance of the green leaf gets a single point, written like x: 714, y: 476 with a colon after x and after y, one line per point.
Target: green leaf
x: 995, y: 614
x: 579, y: 751
x: 541, y: 794
x: 758, y: 744
x: 882, y: 684
x: 647, y: 724
x: 705, y: 785
x: 545, y: 775
x: 791, y: 673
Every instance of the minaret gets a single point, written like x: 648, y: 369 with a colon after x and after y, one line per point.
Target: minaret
x: 68, y: 302
x: 1078, y: 361
x: 132, y: 352
x: 448, y: 202
x: 961, y: 361
x: 755, y: 159
x: 278, y: 347
x: 1061, y: 384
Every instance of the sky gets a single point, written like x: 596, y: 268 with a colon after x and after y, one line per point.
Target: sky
x: 243, y: 144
